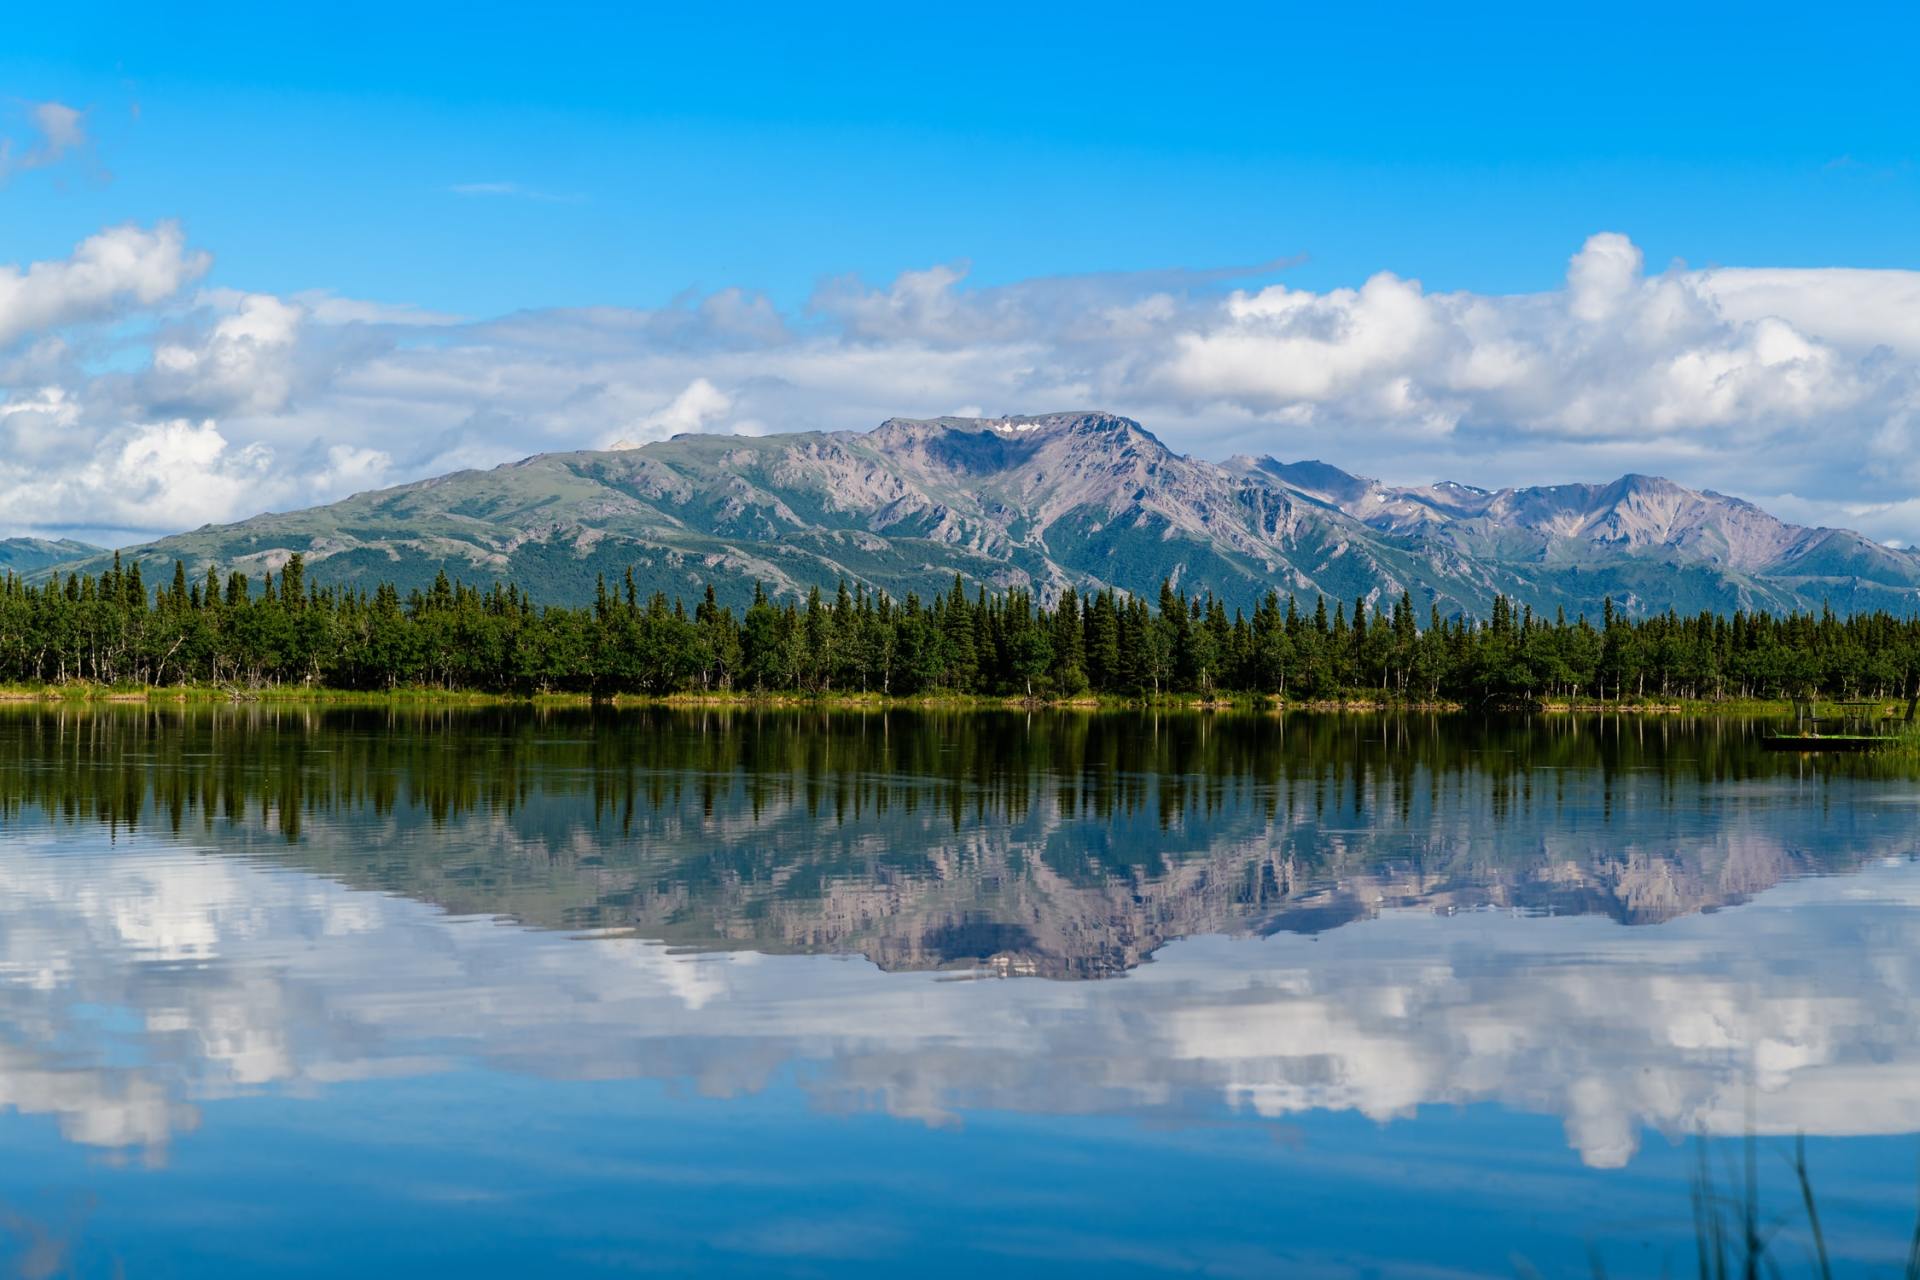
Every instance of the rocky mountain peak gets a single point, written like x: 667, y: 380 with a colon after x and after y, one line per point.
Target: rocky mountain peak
x: 1083, y: 499
x: 1014, y: 448
x: 1086, y: 424
x: 1316, y: 479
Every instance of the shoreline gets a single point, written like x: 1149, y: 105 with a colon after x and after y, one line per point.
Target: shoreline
x: 1259, y: 704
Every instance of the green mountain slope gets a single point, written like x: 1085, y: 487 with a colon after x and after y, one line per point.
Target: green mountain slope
x: 1085, y: 500
x: 28, y: 556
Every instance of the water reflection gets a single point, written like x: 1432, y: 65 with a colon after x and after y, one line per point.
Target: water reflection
x: 142, y: 985
x: 1343, y: 915
x: 1058, y: 845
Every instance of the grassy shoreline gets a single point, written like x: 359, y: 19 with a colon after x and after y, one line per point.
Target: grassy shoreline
x: 280, y: 695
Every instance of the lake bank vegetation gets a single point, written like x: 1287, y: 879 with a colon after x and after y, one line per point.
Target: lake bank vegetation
x: 111, y: 635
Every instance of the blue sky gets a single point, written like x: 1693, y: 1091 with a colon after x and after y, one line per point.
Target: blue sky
x: 734, y: 146
x: 259, y: 257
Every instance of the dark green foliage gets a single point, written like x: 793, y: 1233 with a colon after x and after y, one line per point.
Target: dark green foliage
x: 112, y: 629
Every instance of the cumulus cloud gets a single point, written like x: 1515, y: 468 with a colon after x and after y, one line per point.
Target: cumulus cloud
x: 698, y: 408
x: 1855, y: 309
x: 107, y: 273
x: 243, y: 363
x: 37, y: 424
x: 1799, y: 385
x: 1284, y: 348
x: 171, y: 475
x: 1616, y: 355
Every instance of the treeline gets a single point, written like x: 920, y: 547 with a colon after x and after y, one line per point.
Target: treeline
x: 228, y: 631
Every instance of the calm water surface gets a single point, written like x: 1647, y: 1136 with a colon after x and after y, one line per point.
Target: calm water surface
x: 514, y: 993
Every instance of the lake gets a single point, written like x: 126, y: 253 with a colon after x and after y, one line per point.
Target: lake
x: 512, y: 992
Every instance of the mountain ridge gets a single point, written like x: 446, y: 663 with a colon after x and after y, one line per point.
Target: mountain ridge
x: 1083, y: 500
x: 34, y: 555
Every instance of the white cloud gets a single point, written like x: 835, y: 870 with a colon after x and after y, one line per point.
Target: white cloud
x: 1753, y: 381
x: 62, y: 130
x: 1615, y: 354
x: 107, y: 273
x: 698, y: 408
x: 1603, y: 277
x: 170, y: 472
x: 36, y: 424
x: 244, y: 363
x: 920, y: 305
x: 1283, y: 346
x: 1853, y: 310
x: 356, y: 468
x: 161, y: 475
x: 61, y: 126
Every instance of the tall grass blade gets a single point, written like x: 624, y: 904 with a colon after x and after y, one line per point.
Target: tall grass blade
x: 1913, y: 1251
x: 1813, y: 1212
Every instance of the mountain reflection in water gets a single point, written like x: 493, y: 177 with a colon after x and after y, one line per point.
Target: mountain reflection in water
x: 1061, y: 845
x: 1341, y: 913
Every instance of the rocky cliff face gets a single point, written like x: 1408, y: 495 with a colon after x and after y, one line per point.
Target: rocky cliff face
x: 1636, y: 514
x: 1084, y: 500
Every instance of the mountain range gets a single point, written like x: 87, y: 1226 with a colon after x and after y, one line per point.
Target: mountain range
x: 1084, y: 500
x: 29, y: 556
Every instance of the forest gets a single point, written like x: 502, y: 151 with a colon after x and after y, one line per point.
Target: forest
x: 113, y: 629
